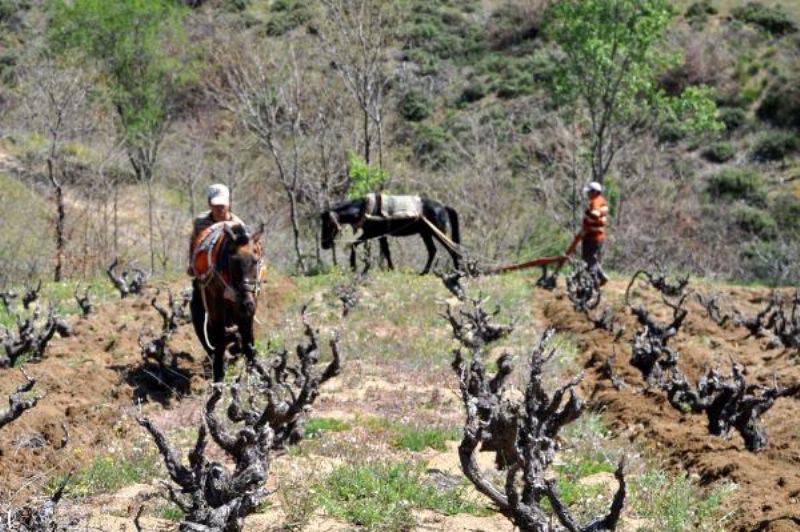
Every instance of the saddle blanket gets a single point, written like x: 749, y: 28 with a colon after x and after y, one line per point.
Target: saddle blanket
x: 396, y: 207
x: 208, y: 244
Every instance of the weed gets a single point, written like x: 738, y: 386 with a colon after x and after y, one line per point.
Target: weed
x: 299, y: 500
x: 107, y: 474
x: 170, y: 512
x: 316, y: 426
x: 383, y: 496
x: 676, y: 504
x: 418, y: 439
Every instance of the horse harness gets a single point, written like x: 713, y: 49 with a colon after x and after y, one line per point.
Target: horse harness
x: 213, y: 242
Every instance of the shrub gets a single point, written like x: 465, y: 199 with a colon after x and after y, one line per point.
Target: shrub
x: 786, y: 211
x: 771, y: 19
x: 781, y: 105
x: 732, y: 117
x: 738, y: 184
x: 431, y: 147
x: 415, y: 107
x: 755, y: 221
x: 671, y: 133
x: 701, y: 10
x: 286, y: 15
x: 719, y: 152
x: 236, y: 5
x: 472, y: 93
x: 774, y: 146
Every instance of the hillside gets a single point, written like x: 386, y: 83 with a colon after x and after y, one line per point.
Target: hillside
x: 466, y: 119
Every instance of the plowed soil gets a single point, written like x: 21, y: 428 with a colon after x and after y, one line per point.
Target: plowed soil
x: 769, y: 481
x: 93, y: 388
x: 91, y: 383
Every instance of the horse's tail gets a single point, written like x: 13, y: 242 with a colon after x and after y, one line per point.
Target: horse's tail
x: 453, y: 215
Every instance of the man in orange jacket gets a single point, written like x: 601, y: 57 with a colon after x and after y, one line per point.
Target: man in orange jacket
x: 593, y: 231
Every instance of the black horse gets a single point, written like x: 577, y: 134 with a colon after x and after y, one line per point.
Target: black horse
x: 353, y: 213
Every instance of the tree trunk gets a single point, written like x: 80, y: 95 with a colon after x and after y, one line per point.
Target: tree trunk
x: 191, y: 200
x: 366, y: 137
x: 150, y: 222
x: 295, y: 228
x: 116, y: 220
x: 60, y: 215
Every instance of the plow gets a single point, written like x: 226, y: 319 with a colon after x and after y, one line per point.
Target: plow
x: 547, y: 280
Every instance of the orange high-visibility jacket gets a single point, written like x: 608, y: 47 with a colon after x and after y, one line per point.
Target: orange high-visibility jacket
x: 595, y: 219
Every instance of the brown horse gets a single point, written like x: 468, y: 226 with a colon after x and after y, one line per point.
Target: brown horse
x: 225, y: 293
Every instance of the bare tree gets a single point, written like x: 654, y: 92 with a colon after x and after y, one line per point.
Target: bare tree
x: 276, y: 95
x: 355, y: 35
x: 279, y: 396
x: 18, y: 403
x: 55, y: 98
x: 523, y: 433
x: 729, y: 403
x: 129, y: 282
x: 31, y: 337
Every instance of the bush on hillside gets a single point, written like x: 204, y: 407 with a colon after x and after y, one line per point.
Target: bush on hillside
x: 771, y: 19
x: 414, y: 106
x: 719, y: 152
x: 286, y: 15
x: 786, y: 212
x: 431, y: 145
x: 732, y: 117
x: 514, y: 23
x: 472, y: 93
x: 774, y: 146
x: 781, y: 104
x: 699, y: 11
x: 671, y: 133
x: 738, y: 184
x: 755, y: 221
x: 237, y: 5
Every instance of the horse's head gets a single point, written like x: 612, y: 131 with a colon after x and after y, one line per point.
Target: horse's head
x: 330, y: 228
x: 245, y: 263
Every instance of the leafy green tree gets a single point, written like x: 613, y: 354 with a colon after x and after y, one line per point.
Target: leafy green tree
x: 610, y: 53
x: 364, y: 178
x: 136, y: 46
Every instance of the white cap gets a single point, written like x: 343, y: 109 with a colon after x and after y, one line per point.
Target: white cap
x: 218, y: 194
x: 594, y: 186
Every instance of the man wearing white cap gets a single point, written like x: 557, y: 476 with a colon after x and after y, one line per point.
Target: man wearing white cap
x: 593, y: 231
x: 219, y: 203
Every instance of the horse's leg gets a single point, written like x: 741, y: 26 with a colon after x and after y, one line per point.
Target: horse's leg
x: 385, y: 252
x: 431, y: 246
x: 456, y: 259
x: 216, y: 333
x: 248, y: 341
x: 353, y: 257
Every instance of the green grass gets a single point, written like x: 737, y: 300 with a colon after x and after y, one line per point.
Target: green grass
x: 316, y: 426
x: 170, y: 512
x: 107, y: 474
x: 677, y: 504
x: 382, y: 496
x: 61, y: 295
x: 411, y: 437
x: 418, y: 439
